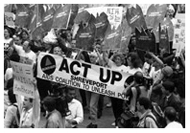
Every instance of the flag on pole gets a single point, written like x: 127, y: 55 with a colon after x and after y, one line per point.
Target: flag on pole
x: 61, y: 17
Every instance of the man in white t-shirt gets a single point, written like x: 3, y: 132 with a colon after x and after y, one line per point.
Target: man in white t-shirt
x: 170, y: 115
x: 25, y: 51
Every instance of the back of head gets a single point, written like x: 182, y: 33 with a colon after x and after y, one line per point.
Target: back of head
x: 50, y: 103
x: 157, y: 90
x: 138, y: 77
x: 167, y: 71
x: 168, y: 85
x: 143, y: 101
x: 170, y: 113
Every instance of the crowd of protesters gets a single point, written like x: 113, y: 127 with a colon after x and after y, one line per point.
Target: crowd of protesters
x: 155, y: 94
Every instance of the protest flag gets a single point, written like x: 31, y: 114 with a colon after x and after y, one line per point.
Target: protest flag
x: 112, y: 38
x: 48, y: 15
x: 61, y: 17
x: 85, y: 36
x: 125, y: 36
x: 135, y: 17
x: 83, y: 16
x: 22, y: 16
x: 155, y: 15
x: 101, y: 24
x: 74, y: 12
x: 145, y: 40
x: 164, y: 38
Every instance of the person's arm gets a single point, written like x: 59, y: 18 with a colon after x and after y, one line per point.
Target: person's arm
x: 101, y: 62
x: 156, y: 58
x: 182, y: 59
x: 133, y: 99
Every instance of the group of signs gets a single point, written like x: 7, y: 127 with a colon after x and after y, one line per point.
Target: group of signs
x: 103, y: 22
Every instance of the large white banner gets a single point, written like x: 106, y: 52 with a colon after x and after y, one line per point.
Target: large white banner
x: 81, y: 75
x: 23, y: 78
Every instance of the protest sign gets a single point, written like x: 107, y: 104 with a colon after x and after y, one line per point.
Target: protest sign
x: 164, y: 39
x: 179, y: 34
x: 155, y: 15
x: 114, y: 14
x: 82, y: 75
x: 9, y: 19
x: 135, y: 17
x: 62, y: 16
x: 125, y: 36
x: 23, y: 79
x: 86, y: 35
x: 145, y: 41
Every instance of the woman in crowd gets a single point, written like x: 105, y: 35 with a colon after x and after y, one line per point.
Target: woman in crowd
x: 116, y: 64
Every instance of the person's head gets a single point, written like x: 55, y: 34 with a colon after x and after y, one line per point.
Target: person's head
x: 57, y: 50
x: 148, y: 58
x: 156, y: 94
x: 24, y: 35
x: 167, y: 72
x: 73, y: 43
x: 143, y: 104
x: 69, y: 36
x: 93, y: 57
x: 7, y: 33
x: 138, y: 77
x: 17, y: 40
x: 11, y: 96
x: 49, y: 103
x: 27, y: 45
x: 118, y: 59
x: 133, y: 60
x: 27, y: 103
x: 169, y: 87
x: 70, y: 93
x: 170, y: 114
x: 170, y: 11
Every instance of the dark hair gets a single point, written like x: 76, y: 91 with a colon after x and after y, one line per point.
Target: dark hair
x: 23, y: 31
x: 168, y: 85
x: 170, y: 113
x: 50, y: 103
x: 9, y: 30
x: 143, y: 101
x: 138, y: 77
x: 148, y: 56
x: 69, y: 88
x: 11, y: 96
x: 157, y: 90
x: 135, y: 60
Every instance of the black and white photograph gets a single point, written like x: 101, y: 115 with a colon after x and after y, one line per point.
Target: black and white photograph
x: 75, y: 65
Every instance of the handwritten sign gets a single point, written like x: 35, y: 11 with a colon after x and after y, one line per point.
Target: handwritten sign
x: 114, y: 14
x: 9, y: 19
x: 23, y: 77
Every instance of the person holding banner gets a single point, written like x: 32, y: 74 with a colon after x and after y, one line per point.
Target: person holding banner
x: 116, y: 64
x: 29, y: 109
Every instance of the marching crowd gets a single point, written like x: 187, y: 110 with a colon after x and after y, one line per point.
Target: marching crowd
x: 155, y: 95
